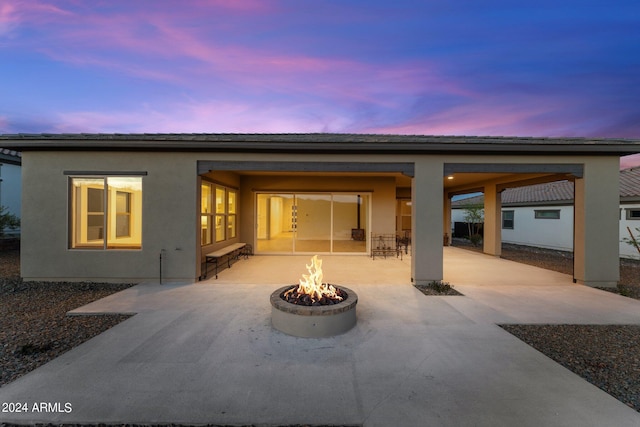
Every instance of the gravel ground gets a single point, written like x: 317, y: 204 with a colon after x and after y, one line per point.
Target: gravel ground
x: 36, y: 329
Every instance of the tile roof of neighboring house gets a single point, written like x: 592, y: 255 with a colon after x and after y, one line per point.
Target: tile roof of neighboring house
x: 630, y: 182
x: 560, y: 192
x: 320, y: 141
x: 10, y: 156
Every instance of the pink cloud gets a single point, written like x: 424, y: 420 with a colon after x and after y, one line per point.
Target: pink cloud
x: 209, y: 116
x: 631, y: 161
x: 477, y: 117
x: 149, y: 44
x: 16, y: 12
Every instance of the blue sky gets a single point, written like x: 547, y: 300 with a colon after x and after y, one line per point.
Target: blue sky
x: 544, y: 68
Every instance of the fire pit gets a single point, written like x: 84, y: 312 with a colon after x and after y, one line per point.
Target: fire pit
x: 313, y: 309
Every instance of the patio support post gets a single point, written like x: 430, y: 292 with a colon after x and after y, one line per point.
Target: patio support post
x: 426, y: 221
x: 492, y: 240
x: 596, y: 230
x: 447, y: 219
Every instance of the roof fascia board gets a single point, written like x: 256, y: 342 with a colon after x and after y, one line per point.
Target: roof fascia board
x: 576, y: 170
x: 341, y: 143
x: 205, y: 166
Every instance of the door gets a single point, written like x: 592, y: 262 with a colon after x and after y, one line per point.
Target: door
x: 312, y: 223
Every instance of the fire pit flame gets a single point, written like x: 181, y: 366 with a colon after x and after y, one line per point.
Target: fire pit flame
x: 311, y: 285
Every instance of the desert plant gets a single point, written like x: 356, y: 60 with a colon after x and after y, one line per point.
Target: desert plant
x: 439, y: 286
x: 8, y: 221
x: 474, y: 217
x: 633, y: 240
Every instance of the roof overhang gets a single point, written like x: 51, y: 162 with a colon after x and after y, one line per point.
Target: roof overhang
x: 320, y: 143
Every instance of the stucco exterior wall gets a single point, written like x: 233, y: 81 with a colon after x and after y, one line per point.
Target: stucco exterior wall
x: 544, y: 233
x: 169, y: 200
x: 171, y: 215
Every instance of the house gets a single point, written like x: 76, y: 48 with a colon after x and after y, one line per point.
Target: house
x: 10, y: 183
x: 542, y: 215
x: 123, y: 207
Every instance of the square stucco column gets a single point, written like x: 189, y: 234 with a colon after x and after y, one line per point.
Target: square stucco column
x: 492, y: 240
x: 446, y: 225
x: 596, y: 238
x: 426, y: 222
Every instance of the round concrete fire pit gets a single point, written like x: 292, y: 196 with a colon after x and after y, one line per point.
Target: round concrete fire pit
x: 313, y: 321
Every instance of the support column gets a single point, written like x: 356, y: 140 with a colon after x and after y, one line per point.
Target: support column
x: 426, y: 222
x: 596, y: 252
x: 446, y: 223
x: 492, y: 240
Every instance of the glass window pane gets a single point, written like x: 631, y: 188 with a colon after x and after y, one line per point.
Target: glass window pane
x: 220, y: 228
x: 205, y: 229
x: 205, y: 198
x: 220, y: 207
x: 122, y: 226
x: 349, y: 220
x: 123, y: 202
x: 95, y: 200
x: 507, y: 219
x: 231, y: 226
x: 123, y: 214
x: 87, y: 213
x: 276, y: 222
x: 313, y: 223
x: 547, y: 214
x: 232, y: 202
x: 124, y: 222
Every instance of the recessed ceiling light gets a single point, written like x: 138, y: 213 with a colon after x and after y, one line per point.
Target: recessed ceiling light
x: 450, y: 177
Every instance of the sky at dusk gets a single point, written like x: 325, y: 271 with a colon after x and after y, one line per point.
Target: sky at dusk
x: 510, y: 68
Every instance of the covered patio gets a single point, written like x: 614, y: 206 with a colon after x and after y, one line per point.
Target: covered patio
x: 206, y: 352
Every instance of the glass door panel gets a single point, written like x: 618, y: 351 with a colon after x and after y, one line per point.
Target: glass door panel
x: 313, y: 230
x: 276, y: 222
x: 312, y: 223
x: 350, y: 213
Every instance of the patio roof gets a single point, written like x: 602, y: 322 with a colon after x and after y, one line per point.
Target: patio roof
x: 558, y: 192
x: 320, y: 142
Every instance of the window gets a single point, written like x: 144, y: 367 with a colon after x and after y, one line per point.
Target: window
x: 507, y: 219
x: 547, y: 214
x: 106, y: 212
x: 221, y: 208
x: 218, y: 206
x: 231, y: 214
x: 206, y: 218
x: 633, y: 214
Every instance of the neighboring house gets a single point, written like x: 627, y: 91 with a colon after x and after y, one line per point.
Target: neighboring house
x: 542, y: 215
x: 123, y: 207
x: 10, y: 183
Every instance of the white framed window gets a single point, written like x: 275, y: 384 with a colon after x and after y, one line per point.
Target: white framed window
x: 105, y: 212
x: 508, y: 219
x: 547, y: 213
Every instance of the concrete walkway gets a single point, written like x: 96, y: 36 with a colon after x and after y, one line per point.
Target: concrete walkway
x: 206, y: 353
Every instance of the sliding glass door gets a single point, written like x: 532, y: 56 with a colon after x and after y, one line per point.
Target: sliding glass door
x: 312, y: 222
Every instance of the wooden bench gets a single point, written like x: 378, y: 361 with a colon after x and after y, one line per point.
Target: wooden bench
x: 233, y: 251
x: 384, y: 244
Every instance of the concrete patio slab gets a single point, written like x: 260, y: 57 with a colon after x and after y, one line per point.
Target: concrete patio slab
x: 206, y: 353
